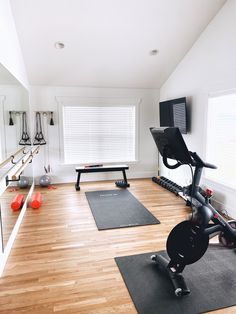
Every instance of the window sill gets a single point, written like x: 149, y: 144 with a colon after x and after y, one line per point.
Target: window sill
x: 135, y: 162
x: 220, y: 184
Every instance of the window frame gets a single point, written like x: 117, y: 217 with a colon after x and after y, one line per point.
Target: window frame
x: 63, y: 101
x: 207, y: 178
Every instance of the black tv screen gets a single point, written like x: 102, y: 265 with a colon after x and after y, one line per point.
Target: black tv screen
x: 173, y: 113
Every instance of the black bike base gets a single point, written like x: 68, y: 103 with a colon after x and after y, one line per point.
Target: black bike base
x: 212, y: 281
x: 178, y: 281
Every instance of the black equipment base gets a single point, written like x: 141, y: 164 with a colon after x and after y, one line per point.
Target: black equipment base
x: 118, y: 209
x: 83, y: 169
x: 177, y: 279
x: 212, y: 281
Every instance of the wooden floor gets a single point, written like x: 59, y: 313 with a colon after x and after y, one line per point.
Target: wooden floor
x: 9, y: 217
x: 60, y: 263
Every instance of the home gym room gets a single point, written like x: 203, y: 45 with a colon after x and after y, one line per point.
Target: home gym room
x: 117, y: 156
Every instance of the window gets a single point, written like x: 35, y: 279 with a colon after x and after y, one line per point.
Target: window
x: 99, y: 134
x: 221, y: 139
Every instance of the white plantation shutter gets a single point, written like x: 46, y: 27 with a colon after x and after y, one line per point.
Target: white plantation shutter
x: 221, y: 139
x: 98, y: 134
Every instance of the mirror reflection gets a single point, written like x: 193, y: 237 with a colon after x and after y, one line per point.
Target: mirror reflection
x: 14, y: 143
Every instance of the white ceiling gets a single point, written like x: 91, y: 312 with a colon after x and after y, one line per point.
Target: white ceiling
x: 107, y: 42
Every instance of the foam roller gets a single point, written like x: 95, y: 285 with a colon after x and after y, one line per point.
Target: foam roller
x: 17, y: 202
x: 36, y: 200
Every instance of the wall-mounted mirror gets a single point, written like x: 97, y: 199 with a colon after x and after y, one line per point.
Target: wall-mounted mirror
x: 14, y: 133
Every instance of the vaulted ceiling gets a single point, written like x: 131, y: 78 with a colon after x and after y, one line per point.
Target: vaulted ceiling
x: 6, y: 78
x: 108, y: 42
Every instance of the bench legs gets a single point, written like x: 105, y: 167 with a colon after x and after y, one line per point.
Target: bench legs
x: 77, y: 187
x: 125, y: 178
x: 121, y: 183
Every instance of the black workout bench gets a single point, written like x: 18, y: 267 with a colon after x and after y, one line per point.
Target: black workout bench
x: 88, y: 169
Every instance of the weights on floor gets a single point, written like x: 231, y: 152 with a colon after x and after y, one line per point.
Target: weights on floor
x: 122, y: 184
x: 168, y: 184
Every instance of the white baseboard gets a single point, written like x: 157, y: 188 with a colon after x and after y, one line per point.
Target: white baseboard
x: 221, y: 207
x: 88, y: 177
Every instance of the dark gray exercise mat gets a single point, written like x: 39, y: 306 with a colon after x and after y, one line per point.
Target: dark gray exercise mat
x: 212, y: 281
x: 117, y: 209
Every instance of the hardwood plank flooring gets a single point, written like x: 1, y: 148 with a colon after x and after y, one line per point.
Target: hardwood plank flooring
x: 9, y: 217
x: 60, y: 263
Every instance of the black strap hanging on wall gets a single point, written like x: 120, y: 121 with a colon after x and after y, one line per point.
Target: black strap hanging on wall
x: 51, y: 119
x: 39, y: 137
x: 10, y: 118
x: 25, y: 139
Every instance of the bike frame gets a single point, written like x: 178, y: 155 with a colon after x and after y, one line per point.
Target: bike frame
x: 206, y: 212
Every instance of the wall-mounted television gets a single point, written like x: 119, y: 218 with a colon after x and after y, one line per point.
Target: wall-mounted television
x: 173, y: 113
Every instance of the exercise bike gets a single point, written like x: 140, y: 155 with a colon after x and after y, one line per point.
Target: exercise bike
x: 189, y: 240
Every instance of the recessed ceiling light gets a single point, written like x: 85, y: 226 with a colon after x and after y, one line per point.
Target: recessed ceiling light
x: 154, y: 52
x: 59, y: 45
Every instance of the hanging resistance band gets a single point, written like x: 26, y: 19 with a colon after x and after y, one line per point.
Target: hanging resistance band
x: 25, y: 139
x: 39, y: 138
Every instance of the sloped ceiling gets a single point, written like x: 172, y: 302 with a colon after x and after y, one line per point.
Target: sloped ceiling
x: 108, y: 42
x: 6, y: 78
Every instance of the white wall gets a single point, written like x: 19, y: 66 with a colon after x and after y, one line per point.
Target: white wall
x: 15, y: 99
x: 43, y: 98
x: 10, y: 52
x: 11, y: 98
x: 208, y: 67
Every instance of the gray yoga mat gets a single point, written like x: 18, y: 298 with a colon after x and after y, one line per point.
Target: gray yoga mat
x: 118, y: 209
x: 212, y: 281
